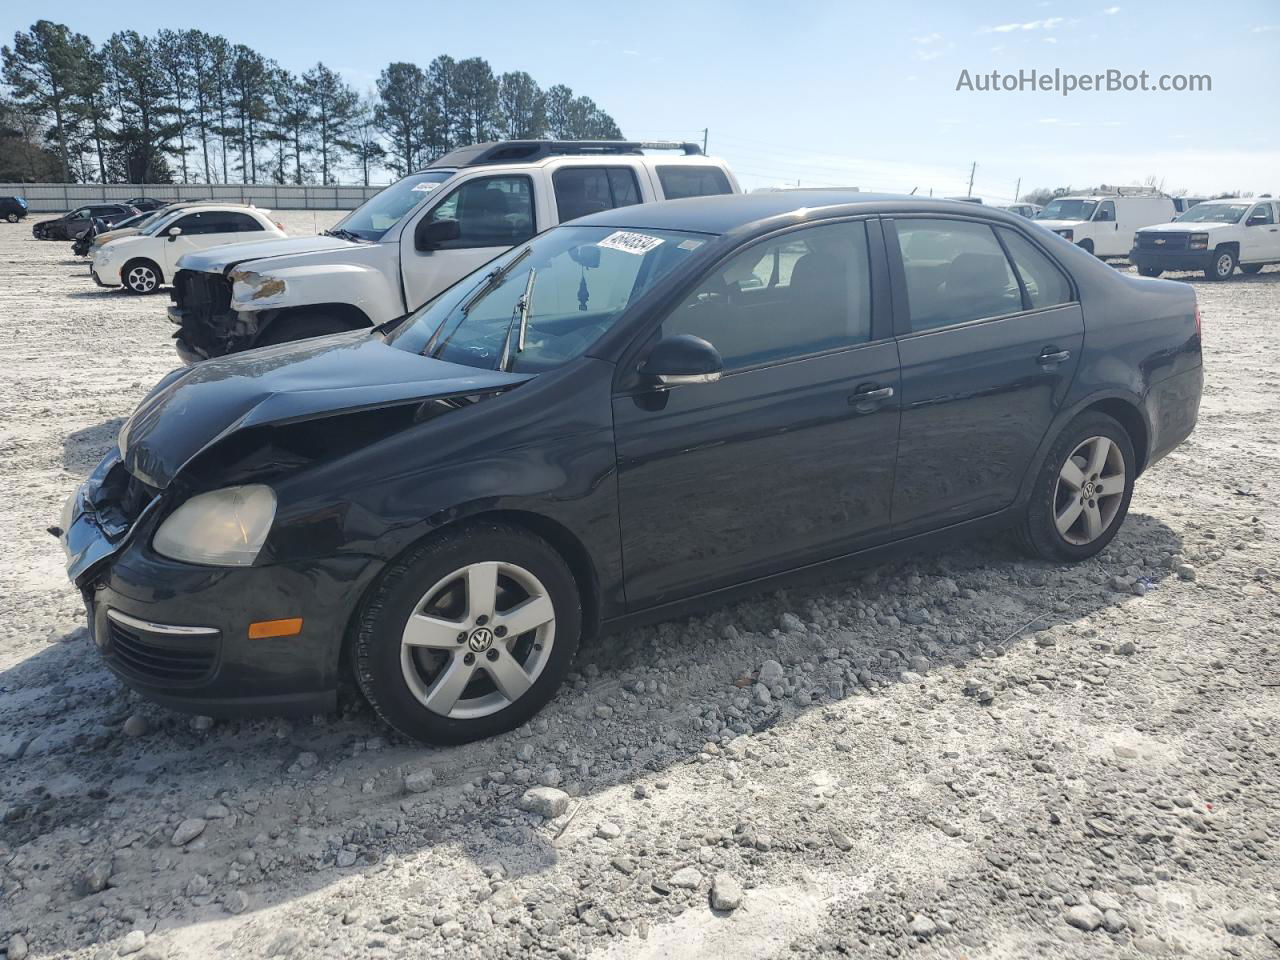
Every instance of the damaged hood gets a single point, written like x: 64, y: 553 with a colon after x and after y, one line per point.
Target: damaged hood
x: 192, y: 409
x: 218, y: 259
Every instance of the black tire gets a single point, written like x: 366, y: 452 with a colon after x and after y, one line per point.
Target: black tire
x: 141, y: 277
x: 1038, y: 530
x: 302, y: 326
x: 1222, y: 266
x: 1086, y: 246
x: 11, y: 217
x: 1252, y: 268
x: 398, y: 593
x: 1150, y: 271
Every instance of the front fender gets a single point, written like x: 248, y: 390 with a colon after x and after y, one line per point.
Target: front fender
x: 285, y: 288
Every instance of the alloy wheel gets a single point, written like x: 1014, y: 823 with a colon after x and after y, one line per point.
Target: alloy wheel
x: 1089, y: 491
x: 1223, y: 265
x: 477, y: 640
x: 141, y: 279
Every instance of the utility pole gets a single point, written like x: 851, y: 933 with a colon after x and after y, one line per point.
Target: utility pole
x: 972, y: 171
x: 704, y: 141
x: 1016, y: 190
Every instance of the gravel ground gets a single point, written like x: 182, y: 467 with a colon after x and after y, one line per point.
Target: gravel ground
x: 963, y: 755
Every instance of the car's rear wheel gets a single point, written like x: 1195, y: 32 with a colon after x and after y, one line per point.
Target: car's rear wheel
x: 1222, y: 266
x: 302, y: 326
x: 1150, y: 271
x: 11, y: 217
x: 140, y: 276
x: 1251, y: 267
x: 1082, y: 493
x: 469, y: 636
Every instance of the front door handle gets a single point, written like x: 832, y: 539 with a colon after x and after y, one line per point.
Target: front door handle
x: 868, y: 399
x: 1053, y: 356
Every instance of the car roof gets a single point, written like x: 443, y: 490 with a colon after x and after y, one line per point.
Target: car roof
x: 726, y: 213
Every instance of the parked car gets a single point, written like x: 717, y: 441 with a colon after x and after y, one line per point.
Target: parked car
x: 1028, y: 210
x: 1183, y: 204
x: 13, y: 209
x: 141, y: 263
x: 608, y: 424
x: 100, y: 231
x: 1214, y: 236
x: 414, y: 239
x: 1104, y: 225
x: 72, y: 224
x: 147, y: 204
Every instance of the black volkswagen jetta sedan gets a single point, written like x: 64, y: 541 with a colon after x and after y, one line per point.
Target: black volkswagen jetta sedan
x: 628, y: 416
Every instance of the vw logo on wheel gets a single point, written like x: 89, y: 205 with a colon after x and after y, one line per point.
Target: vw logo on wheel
x: 480, y: 640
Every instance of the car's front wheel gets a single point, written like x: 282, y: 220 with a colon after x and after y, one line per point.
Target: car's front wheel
x: 1086, y: 246
x: 302, y: 326
x: 1150, y: 271
x: 140, y: 276
x: 469, y: 635
x: 1081, y: 495
x: 1222, y: 266
x: 11, y: 217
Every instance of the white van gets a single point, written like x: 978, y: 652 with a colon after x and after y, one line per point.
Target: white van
x: 1104, y: 224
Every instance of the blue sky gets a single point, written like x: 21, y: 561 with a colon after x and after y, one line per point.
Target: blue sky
x: 828, y: 93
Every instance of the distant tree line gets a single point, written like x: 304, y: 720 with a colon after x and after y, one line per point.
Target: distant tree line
x: 189, y: 106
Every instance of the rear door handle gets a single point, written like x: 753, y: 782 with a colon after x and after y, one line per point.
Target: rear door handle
x: 866, y: 400
x: 1053, y: 356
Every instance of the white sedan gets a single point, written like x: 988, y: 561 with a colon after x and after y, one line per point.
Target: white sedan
x: 141, y: 263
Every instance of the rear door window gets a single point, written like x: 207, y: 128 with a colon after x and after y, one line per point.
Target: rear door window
x: 581, y: 191
x: 956, y: 272
x: 1045, y: 284
x: 689, y: 181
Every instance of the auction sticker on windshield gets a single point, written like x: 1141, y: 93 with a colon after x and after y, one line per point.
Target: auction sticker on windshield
x: 425, y: 187
x: 638, y: 243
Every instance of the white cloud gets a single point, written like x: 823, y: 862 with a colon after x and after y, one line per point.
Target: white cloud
x: 1111, y: 11
x: 1050, y: 39
x: 1049, y: 23
x: 928, y: 38
x: 1268, y: 28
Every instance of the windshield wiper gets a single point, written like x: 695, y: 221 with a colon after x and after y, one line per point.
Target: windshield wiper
x: 492, y: 279
x: 343, y: 234
x: 521, y: 312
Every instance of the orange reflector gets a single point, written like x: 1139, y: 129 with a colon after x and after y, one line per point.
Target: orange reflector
x: 275, y: 628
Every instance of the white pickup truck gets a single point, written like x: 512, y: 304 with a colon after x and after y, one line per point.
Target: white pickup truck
x: 418, y: 237
x: 1215, y: 236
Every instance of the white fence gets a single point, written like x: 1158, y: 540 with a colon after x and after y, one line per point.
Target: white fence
x: 58, y: 197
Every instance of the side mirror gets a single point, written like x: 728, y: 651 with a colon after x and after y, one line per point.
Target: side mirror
x: 174, y: 233
x: 1256, y: 221
x: 430, y: 234
x: 682, y: 359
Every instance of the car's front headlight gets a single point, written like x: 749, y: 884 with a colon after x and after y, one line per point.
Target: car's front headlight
x: 224, y: 528
x: 1065, y: 234
x: 1198, y: 241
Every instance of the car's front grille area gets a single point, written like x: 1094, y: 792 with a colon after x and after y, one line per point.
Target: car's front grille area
x: 1163, y: 241
x: 203, y: 308
x: 157, y: 658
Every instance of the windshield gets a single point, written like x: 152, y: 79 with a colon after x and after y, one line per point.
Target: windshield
x: 163, y: 218
x: 1214, y: 213
x: 568, y: 285
x: 376, y: 216
x: 1067, y: 210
